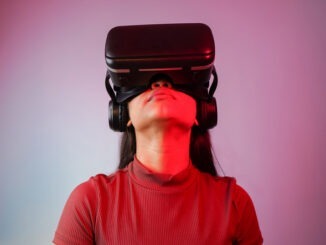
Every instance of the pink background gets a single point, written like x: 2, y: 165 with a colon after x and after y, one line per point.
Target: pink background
x: 270, y: 56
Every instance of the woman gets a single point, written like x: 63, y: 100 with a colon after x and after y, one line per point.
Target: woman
x: 166, y: 190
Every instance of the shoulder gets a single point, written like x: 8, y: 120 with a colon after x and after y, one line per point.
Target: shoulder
x: 229, y: 189
x: 97, y: 183
x: 227, y: 183
x: 79, y: 217
x: 243, y: 216
x: 87, y: 193
x: 217, y: 184
x: 237, y: 193
x: 86, y: 197
x: 239, y: 196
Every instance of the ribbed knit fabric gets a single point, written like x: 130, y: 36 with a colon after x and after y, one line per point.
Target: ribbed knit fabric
x: 136, y: 206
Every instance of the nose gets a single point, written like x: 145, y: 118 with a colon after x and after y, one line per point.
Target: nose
x: 161, y: 84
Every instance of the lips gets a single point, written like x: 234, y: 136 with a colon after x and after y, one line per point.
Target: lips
x: 160, y: 94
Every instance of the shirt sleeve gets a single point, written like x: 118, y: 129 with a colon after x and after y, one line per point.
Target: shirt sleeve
x: 247, y: 229
x: 76, y: 225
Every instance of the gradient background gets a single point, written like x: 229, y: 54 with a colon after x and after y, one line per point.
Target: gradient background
x: 270, y: 56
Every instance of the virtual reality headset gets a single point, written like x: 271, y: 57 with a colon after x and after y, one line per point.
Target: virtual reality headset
x: 138, y: 55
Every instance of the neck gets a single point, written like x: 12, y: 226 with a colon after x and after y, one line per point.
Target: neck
x: 164, y: 151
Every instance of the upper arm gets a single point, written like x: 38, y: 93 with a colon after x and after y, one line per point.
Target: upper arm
x: 247, y: 231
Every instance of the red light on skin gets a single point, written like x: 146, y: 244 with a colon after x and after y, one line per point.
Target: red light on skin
x: 160, y: 90
x: 160, y: 96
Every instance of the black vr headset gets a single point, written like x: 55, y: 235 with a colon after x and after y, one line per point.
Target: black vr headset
x: 138, y: 55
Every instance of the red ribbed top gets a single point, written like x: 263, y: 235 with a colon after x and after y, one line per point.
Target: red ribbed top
x: 137, y: 206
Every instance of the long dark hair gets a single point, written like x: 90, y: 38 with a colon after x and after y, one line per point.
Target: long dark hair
x: 200, y: 149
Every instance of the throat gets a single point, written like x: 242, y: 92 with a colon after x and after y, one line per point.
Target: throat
x: 167, y: 154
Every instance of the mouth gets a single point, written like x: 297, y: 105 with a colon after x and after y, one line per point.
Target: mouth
x: 160, y: 95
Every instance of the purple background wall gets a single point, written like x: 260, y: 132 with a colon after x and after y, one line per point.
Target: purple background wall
x: 271, y: 99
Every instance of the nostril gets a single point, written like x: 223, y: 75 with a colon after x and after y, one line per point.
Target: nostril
x: 161, y: 83
x: 167, y: 85
x: 155, y: 85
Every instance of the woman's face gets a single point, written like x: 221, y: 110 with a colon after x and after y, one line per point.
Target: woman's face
x: 161, y: 105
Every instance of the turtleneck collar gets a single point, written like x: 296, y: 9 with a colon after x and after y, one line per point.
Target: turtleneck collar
x: 162, y: 182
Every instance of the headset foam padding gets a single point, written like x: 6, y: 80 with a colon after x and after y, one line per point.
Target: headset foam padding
x: 118, y: 116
